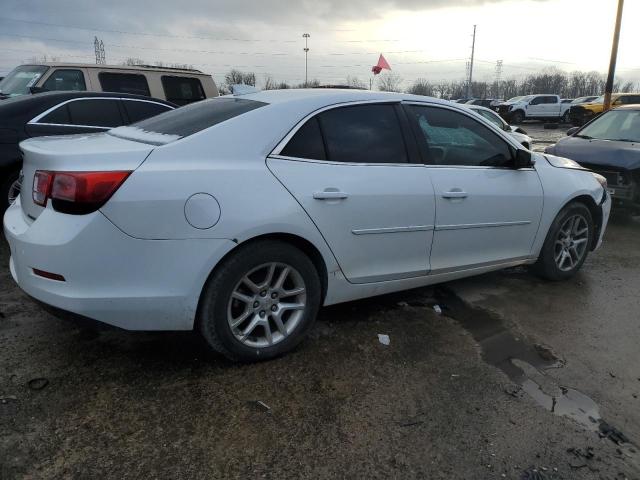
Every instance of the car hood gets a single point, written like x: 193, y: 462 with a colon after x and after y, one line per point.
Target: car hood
x: 599, y: 152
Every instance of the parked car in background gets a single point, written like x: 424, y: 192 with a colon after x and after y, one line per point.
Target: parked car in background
x: 516, y: 132
x: 587, y: 99
x: 269, y: 205
x: 177, y: 85
x: 62, y: 113
x: 534, y: 107
x: 583, y: 113
x: 610, y: 146
x: 566, y: 100
x: 483, y: 102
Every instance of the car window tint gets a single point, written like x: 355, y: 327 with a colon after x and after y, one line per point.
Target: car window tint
x: 195, y: 117
x: 58, y: 116
x: 452, y: 138
x: 124, y: 83
x: 363, y: 134
x: 139, y: 110
x: 65, y: 80
x: 182, y: 90
x: 307, y: 142
x: 537, y: 101
x: 95, y: 113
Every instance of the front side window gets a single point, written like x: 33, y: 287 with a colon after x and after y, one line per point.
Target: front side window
x: 182, y: 90
x: 21, y: 79
x: 65, y: 79
x: 537, y: 101
x: 124, y: 83
x: 95, y: 113
x: 452, y: 138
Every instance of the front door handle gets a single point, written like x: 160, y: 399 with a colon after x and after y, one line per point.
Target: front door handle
x: 330, y: 195
x: 455, y: 193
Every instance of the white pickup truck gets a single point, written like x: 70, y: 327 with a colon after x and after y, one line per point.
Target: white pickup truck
x: 534, y: 107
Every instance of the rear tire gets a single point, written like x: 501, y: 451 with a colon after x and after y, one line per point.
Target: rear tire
x: 567, y: 244
x: 8, y: 189
x: 248, y: 312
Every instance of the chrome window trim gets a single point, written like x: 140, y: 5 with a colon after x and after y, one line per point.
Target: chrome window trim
x: 352, y: 164
x: 36, y: 120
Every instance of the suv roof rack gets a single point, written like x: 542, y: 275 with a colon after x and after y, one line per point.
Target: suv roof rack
x: 177, y: 69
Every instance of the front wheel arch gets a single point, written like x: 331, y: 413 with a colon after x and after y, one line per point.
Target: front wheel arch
x: 596, y: 215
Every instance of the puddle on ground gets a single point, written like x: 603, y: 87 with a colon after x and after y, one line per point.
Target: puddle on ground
x: 525, y: 363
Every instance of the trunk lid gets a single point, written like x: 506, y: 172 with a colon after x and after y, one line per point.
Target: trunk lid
x: 76, y: 153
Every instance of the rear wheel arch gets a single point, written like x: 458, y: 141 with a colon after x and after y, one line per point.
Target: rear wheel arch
x: 297, y: 241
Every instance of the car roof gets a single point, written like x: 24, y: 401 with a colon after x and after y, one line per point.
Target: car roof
x: 118, y: 67
x: 330, y: 96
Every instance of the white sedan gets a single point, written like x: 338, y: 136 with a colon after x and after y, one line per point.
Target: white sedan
x: 516, y: 132
x: 240, y: 216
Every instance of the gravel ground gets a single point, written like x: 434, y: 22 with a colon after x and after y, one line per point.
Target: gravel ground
x: 516, y: 377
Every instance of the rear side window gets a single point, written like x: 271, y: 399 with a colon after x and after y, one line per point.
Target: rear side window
x: 193, y: 118
x: 139, y: 110
x: 59, y: 116
x: 363, y: 134
x: 182, y: 90
x: 124, y: 83
x: 95, y: 113
x: 65, y: 79
x: 307, y: 142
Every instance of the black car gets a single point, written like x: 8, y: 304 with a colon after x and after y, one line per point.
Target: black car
x: 610, y: 146
x: 62, y: 113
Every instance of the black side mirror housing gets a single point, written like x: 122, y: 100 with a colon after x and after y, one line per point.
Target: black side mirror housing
x: 35, y: 90
x: 572, y: 130
x: 522, y: 159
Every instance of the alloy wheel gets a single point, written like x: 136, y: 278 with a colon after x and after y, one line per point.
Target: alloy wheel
x: 571, y: 242
x: 267, y: 305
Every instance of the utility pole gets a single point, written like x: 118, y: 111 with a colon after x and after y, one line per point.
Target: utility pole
x: 306, y: 54
x: 498, y: 78
x: 98, y: 46
x: 473, y: 49
x: 608, y: 89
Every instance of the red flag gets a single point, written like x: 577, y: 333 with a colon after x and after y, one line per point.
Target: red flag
x: 382, y: 65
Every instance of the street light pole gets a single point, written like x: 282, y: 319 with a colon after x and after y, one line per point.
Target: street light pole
x: 608, y: 89
x: 473, y: 51
x: 306, y: 54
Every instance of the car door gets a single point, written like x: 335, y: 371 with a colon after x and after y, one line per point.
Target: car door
x: 536, y: 107
x: 551, y: 106
x: 79, y: 115
x: 486, y: 211
x: 350, y: 168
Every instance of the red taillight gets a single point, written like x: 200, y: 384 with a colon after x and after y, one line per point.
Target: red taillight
x: 76, y: 192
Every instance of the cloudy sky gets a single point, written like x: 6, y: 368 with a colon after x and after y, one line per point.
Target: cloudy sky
x: 420, y: 38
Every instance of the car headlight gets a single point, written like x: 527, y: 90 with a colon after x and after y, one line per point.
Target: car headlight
x: 601, y: 180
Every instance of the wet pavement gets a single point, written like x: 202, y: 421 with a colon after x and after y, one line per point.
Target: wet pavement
x: 515, y: 378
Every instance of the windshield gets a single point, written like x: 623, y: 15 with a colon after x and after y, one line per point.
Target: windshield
x: 492, y: 117
x: 20, y: 79
x: 514, y: 99
x: 599, y: 99
x: 583, y: 100
x: 621, y: 125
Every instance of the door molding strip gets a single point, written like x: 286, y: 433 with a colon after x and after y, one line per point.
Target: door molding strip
x: 373, y: 231
x: 481, y: 225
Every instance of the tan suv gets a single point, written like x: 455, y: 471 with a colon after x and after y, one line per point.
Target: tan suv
x: 176, y: 85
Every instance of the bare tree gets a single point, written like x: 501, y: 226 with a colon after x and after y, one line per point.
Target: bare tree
x: 355, y: 82
x: 422, y: 87
x: 236, y: 77
x: 389, y: 82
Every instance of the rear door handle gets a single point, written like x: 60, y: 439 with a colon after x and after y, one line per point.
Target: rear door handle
x: 455, y: 193
x: 330, y: 195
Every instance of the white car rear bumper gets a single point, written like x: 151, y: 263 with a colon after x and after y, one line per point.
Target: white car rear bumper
x: 109, y: 276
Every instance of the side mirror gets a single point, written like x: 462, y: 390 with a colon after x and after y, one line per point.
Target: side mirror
x: 522, y: 159
x: 572, y: 130
x: 35, y: 90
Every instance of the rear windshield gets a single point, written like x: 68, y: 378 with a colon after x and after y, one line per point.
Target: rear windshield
x: 187, y: 120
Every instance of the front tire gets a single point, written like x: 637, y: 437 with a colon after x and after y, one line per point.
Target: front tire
x: 517, y: 117
x: 567, y: 244
x: 260, y: 302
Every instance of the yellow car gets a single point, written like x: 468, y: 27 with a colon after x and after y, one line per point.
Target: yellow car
x: 583, y: 113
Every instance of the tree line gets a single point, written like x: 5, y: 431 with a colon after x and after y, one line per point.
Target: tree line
x: 554, y: 81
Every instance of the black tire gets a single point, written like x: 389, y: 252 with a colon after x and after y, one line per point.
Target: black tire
x: 11, y: 178
x: 517, y: 117
x: 565, y: 117
x: 212, y: 314
x: 546, y: 265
